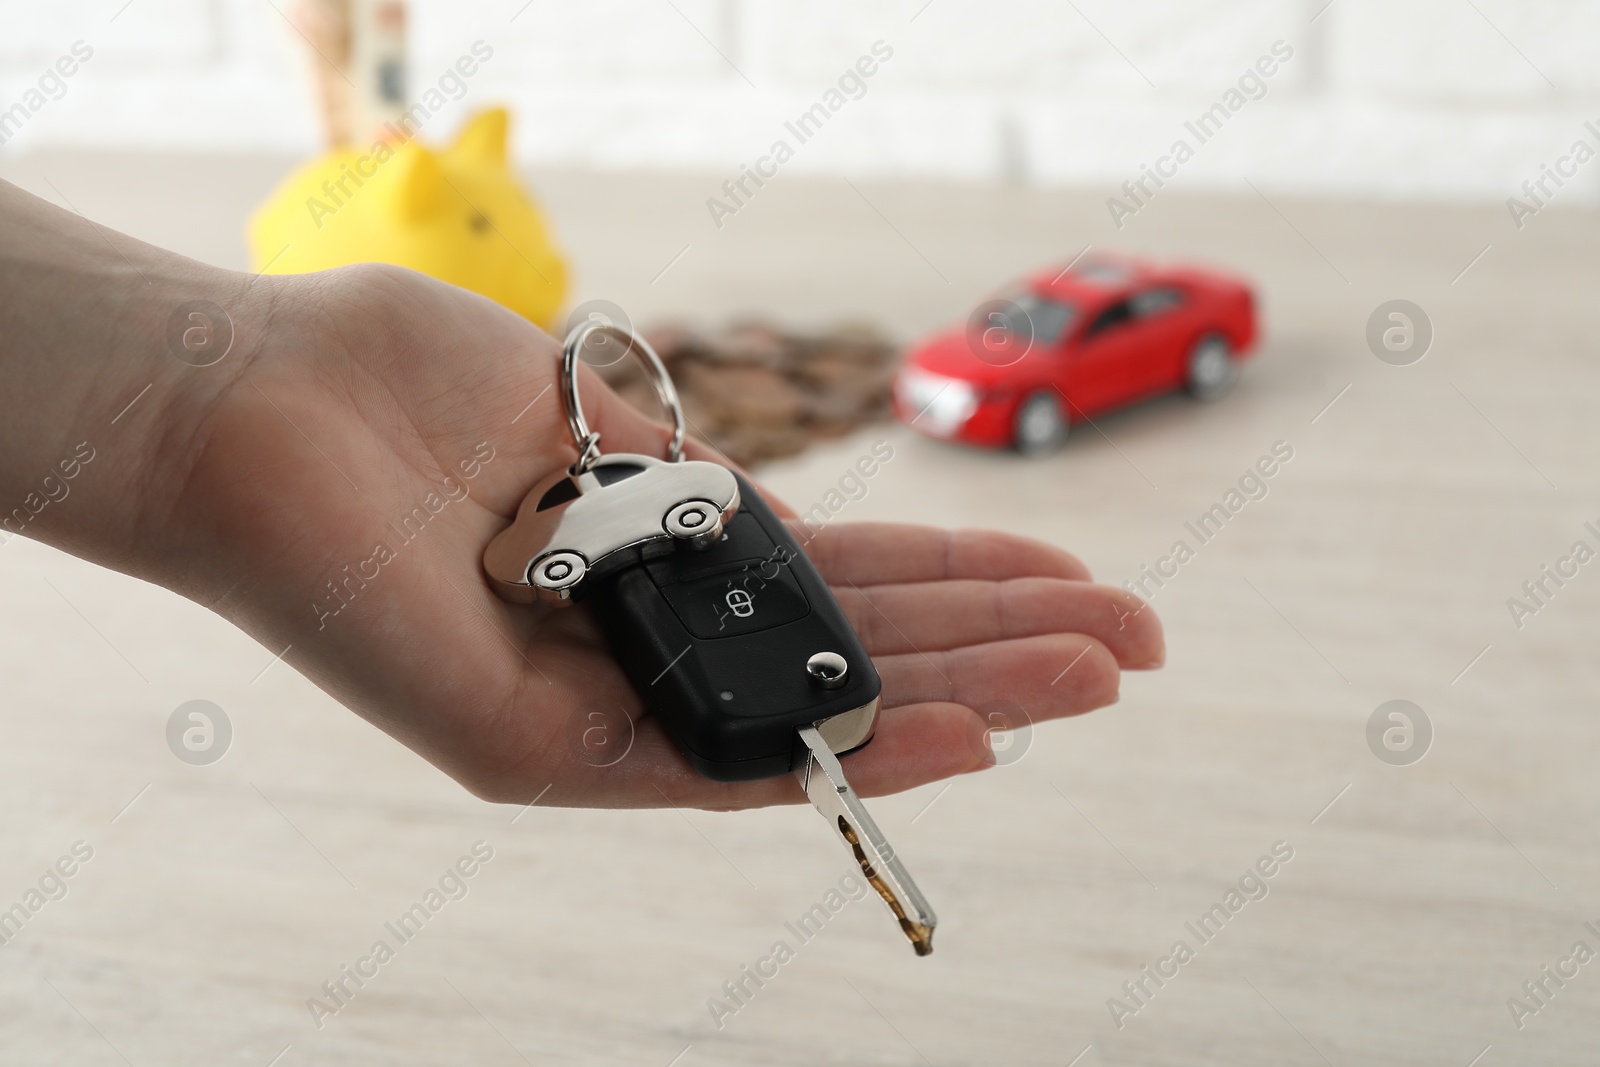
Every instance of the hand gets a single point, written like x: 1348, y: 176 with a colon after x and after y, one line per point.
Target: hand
x: 331, y: 483
x: 386, y: 427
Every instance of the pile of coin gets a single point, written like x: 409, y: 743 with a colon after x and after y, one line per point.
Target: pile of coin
x: 757, y: 392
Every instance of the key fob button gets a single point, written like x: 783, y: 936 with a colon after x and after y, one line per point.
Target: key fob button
x: 829, y: 670
x: 751, y: 596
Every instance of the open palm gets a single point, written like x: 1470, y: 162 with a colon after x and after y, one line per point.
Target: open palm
x: 380, y: 428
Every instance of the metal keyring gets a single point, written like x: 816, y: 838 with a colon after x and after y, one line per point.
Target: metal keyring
x: 588, y: 441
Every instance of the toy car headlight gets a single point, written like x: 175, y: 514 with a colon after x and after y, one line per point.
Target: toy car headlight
x: 936, y: 404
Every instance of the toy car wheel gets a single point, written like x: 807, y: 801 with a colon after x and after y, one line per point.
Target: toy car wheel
x: 1212, y: 368
x: 1040, y: 425
x: 559, y: 571
x: 696, y: 521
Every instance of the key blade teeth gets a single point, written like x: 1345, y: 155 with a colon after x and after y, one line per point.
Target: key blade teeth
x: 919, y: 930
x: 828, y: 790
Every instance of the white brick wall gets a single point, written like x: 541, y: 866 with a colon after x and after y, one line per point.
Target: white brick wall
x: 1383, y: 97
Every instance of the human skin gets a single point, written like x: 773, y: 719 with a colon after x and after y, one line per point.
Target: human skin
x: 348, y: 397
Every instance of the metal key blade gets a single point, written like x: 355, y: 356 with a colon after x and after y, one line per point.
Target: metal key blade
x: 830, y: 793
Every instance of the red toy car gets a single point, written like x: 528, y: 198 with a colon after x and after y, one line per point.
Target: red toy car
x: 1072, y: 344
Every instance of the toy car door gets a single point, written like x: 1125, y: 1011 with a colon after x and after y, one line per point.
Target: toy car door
x: 1162, y: 318
x: 1100, y: 372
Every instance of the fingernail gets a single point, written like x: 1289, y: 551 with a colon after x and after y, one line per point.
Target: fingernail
x: 1155, y: 662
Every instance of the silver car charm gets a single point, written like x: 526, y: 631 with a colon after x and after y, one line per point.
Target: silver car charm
x: 608, y: 510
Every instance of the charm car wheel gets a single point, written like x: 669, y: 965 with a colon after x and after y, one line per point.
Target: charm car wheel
x: 1212, y: 368
x: 559, y: 571
x: 1040, y: 425
x: 697, y: 521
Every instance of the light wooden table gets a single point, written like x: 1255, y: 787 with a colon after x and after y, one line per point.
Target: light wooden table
x: 1418, y: 899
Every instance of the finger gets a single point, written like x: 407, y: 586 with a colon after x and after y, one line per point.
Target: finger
x: 918, y: 739
x: 875, y: 553
x: 917, y: 744
x: 912, y: 746
x: 935, y: 616
x: 1049, y: 676
x: 652, y: 774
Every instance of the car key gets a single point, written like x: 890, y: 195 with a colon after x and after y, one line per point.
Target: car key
x: 726, y: 630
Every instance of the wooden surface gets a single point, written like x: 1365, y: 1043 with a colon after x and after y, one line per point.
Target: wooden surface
x: 1378, y: 567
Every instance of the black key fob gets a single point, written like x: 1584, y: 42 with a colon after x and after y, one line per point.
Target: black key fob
x: 737, y: 645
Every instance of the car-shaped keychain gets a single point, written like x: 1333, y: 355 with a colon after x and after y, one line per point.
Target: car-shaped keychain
x: 1072, y: 344
x: 577, y: 524
x: 607, y: 511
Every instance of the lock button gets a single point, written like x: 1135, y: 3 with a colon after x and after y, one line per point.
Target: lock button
x: 752, y: 595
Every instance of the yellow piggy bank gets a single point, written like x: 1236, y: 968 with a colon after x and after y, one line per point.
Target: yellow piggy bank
x: 458, y: 214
